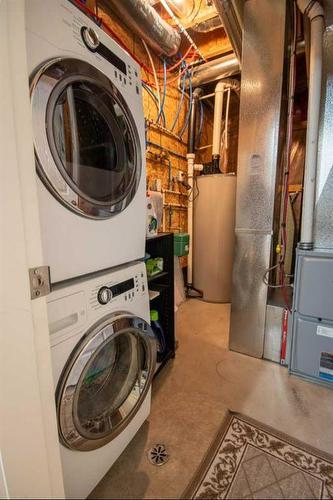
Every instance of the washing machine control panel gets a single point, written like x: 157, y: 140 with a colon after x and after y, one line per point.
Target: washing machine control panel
x: 125, y: 289
x: 105, y: 294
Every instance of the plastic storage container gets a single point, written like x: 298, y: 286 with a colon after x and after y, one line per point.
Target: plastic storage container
x: 181, y: 244
x: 158, y: 331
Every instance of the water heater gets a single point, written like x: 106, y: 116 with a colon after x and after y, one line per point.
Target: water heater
x: 213, y: 235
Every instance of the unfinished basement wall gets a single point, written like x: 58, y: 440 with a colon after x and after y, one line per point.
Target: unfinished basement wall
x: 158, y: 166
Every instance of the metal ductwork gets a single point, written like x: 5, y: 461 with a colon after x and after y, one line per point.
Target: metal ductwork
x: 315, y: 13
x: 231, y: 14
x: 258, y: 169
x: 142, y: 18
x: 222, y: 67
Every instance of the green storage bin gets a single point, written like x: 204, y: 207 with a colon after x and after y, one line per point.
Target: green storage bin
x: 181, y: 244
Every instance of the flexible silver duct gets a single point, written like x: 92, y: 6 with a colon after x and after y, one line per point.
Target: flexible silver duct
x: 231, y: 12
x: 142, y: 18
x: 215, y: 70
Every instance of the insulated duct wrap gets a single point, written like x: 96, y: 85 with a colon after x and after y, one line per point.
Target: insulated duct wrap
x: 142, y: 18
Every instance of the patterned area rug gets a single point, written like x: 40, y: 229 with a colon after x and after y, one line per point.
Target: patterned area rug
x: 250, y: 460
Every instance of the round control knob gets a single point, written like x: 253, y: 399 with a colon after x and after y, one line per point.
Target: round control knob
x: 90, y: 38
x: 104, y: 295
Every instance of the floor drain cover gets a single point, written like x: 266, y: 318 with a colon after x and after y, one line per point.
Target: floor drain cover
x: 158, y: 455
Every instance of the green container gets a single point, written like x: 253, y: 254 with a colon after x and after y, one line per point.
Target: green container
x: 181, y: 244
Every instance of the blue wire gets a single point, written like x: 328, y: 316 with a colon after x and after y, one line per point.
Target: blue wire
x: 164, y: 91
x: 200, y: 124
x: 154, y: 96
x: 189, y: 108
x: 180, y: 102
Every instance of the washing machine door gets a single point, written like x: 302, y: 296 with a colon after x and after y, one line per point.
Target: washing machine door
x: 86, y: 141
x: 105, y: 381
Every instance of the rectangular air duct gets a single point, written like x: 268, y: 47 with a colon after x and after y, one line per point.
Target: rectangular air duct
x: 258, y: 160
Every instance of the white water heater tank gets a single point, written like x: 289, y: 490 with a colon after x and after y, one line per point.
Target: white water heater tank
x: 214, y: 235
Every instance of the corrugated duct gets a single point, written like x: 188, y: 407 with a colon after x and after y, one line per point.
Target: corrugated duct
x: 142, y: 18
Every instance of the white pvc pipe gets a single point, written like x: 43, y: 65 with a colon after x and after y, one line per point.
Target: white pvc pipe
x: 217, y: 127
x: 315, y: 13
x: 190, y: 173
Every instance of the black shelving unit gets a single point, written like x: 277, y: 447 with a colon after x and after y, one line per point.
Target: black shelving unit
x: 162, y: 246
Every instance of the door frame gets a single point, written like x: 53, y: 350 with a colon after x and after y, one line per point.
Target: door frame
x: 30, y: 465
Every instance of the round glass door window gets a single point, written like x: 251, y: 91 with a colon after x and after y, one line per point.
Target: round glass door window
x: 105, y: 382
x: 86, y: 142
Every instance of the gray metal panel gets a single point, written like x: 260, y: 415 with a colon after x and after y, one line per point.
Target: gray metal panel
x: 261, y: 89
x: 314, y: 286
x: 307, y: 346
x: 323, y: 226
x: 249, y: 294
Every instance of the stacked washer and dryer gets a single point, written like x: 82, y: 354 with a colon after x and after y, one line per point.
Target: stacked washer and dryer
x: 88, y: 127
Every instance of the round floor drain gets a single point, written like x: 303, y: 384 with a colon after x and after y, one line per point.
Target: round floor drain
x: 158, y: 455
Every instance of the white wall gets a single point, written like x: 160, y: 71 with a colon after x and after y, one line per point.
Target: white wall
x: 29, y: 462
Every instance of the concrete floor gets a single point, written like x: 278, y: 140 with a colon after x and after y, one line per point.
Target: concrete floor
x: 192, y: 395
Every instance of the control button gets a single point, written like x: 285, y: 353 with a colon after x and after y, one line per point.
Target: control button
x: 120, y: 77
x: 143, y: 288
x: 115, y: 73
x: 136, y: 73
x: 90, y: 38
x: 137, y: 90
x: 125, y: 81
x: 104, y: 295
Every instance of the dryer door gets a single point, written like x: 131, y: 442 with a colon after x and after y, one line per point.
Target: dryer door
x: 105, y: 381
x: 86, y: 142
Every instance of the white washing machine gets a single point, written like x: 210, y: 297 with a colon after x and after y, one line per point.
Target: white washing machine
x: 103, y: 354
x: 89, y: 140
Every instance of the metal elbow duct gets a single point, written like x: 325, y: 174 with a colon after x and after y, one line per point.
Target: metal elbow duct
x: 222, y: 67
x: 231, y: 14
x: 142, y: 18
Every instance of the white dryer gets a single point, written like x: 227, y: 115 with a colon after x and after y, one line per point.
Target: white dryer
x: 103, y: 355
x: 89, y: 140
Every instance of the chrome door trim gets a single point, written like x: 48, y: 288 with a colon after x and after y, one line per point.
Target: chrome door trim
x: 49, y: 167
x: 88, y: 347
